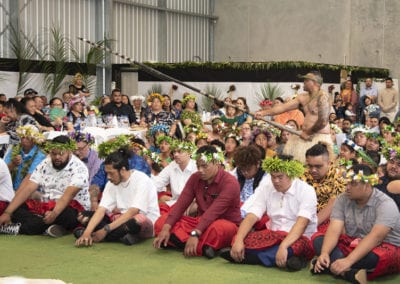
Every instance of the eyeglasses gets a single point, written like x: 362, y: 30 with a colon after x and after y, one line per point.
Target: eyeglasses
x: 80, y: 149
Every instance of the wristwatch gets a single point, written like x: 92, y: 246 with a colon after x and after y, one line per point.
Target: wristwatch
x: 194, y: 234
x: 107, y: 228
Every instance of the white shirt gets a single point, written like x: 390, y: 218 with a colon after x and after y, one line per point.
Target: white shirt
x: 283, y: 209
x: 52, y: 182
x: 6, y: 187
x: 175, y: 177
x: 137, y: 192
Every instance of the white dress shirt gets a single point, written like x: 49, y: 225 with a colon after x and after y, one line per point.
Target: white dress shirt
x: 173, y: 175
x: 283, y: 209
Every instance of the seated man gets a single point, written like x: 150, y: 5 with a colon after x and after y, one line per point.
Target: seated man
x: 63, y: 182
x: 218, y: 198
x: 176, y: 174
x: 392, y: 173
x: 24, y: 157
x: 371, y: 222
x: 6, y: 189
x: 290, y: 203
x: 131, y: 194
x: 100, y: 178
x: 326, y: 181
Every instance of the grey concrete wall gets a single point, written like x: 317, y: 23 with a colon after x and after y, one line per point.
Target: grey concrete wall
x: 355, y: 32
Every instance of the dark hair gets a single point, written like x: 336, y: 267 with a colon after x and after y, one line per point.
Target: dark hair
x: 62, y: 139
x: 285, y: 157
x: 219, y: 103
x: 115, y: 90
x: 14, y: 104
x: 279, y: 99
x: 218, y: 143
x: 129, y: 101
x: 295, y: 122
x: 262, y: 150
x: 54, y: 99
x: 385, y: 120
x: 351, y: 149
x: 348, y: 119
x: 364, y: 168
x: 175, y: 102
x: 119, y: 159
x: 318, y: 149
x: 247, y: 155
x: 25, y: 100
x: 208, y: 149
x: 138, y: 141
x: 374, y: 155
x: 389, y: 79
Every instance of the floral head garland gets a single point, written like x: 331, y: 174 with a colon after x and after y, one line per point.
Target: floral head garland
x: 209, y: 157
x: 351, y: 144
x: 348, y: 164
x: 335, y: 128
x: 356, y: 129
x: 233, y: 135
x: 292, y: 168
x: 31, y: 132
x: 152, y: 155
x: 266, y: 103
x: 184, y: 146
x: 70, y: 146
x: 389, y: 128
x: 137, y: 97
x: 352, y: 176
x: 274, y: 131
x: 107, y: 147
x: 158, y: 128
x: 188, y: 98
x: 81, y: 137
x: 376, y: 136
x: 165, y: 138
x: 201, y: 135
x: 391, y: 152
x: 153, y: 96
x: 192, y: 128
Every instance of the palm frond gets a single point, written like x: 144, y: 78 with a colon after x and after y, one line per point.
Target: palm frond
x: 25, y: 52
x: 269, y: 92
x: 214, y: 91
x: 57, y: 68
x: 155, y: 88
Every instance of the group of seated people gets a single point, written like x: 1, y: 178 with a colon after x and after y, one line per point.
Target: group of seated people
x: 220, y: 190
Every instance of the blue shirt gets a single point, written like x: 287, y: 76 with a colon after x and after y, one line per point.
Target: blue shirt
x: 135, y: 163
x: 25, y: 158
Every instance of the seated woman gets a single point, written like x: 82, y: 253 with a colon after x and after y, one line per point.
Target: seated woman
x: 260, y: 138
x: 242, y: 117
x: 189, y: 115
x: 130, y: 193
x: 232, y: 141
x: 42, y: 122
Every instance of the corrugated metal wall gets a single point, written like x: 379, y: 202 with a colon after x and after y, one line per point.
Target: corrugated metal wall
x: 188, y: 32
x: 73, y: 17
x: 136, y: 25
x: 4, y: 31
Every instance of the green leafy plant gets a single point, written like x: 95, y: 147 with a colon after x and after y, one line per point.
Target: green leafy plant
x: 57, y: 68
x: 25, y: 52
x: 269, y: 92
x: 155, y: 88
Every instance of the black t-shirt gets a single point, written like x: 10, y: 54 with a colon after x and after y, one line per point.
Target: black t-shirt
x: 112, y: 108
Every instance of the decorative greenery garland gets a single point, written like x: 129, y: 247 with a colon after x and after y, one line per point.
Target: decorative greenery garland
x: 192, y: 128
x: 16, y: 150
x: 70, y: 146
x: 106, y: 148
x: 153, y: 96
x: 292, y: 168
x: 209, y: 157
x: 352, y: 176
x: 192, y: 115
x: 184, y: 146
x: 162, y: 138
x: 391, y: 152
x: 188, y: 98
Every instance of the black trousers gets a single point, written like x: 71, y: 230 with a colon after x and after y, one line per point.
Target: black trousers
x: 33, y: 224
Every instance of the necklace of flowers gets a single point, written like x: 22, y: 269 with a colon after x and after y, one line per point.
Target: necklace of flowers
x: 26, y: 164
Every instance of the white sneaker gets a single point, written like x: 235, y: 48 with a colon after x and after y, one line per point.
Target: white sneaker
x: 56, y: 231
x: 10, y: 229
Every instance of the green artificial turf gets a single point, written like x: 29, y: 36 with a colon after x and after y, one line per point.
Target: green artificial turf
x: 45, y: 257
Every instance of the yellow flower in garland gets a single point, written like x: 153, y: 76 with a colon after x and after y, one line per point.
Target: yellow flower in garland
x: 352, y: 176
x: 31, y: 132
x: 188, y: 98
x: 153, y: 96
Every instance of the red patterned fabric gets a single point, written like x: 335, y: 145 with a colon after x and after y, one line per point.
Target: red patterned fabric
x: 164, y: 208
x: 389, y: 255
x: 3, y: 206
x: 323, y: 227
x: 38, y: 207
x: 260, y: 240
x: 218, y: 235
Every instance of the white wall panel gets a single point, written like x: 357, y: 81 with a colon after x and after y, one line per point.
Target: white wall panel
x: 4, y: 31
